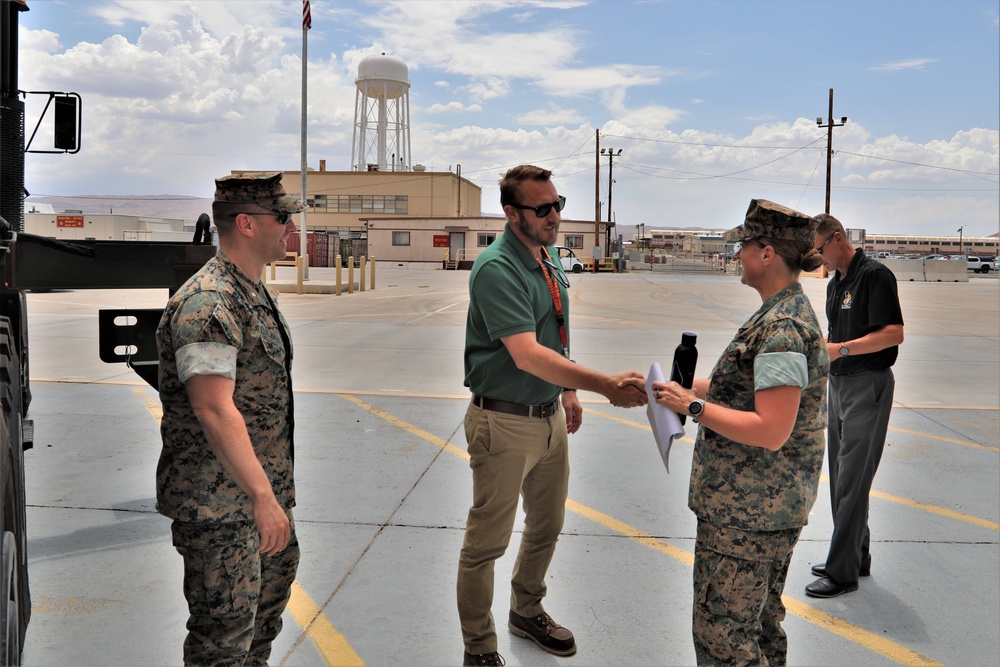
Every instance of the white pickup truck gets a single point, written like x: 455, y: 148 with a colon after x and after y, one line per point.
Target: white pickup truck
x: 980, y: 264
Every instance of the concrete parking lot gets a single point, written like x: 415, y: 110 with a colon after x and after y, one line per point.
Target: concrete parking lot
x: 384, y: 486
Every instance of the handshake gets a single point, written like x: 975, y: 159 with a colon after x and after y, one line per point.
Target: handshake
x: 627, y: 390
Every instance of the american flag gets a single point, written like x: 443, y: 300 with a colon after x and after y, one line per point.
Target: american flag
x: 307, y: 19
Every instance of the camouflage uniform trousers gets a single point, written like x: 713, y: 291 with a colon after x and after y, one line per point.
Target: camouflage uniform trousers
x: 235, y: 595
x: 739, y: 576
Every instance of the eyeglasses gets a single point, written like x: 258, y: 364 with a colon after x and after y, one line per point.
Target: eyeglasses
x: 282, y: 217
x: 828, y: 239
x: 543, y: 210
x: 554, y: 270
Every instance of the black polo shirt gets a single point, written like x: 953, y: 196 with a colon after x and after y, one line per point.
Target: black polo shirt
x: 861, y: 302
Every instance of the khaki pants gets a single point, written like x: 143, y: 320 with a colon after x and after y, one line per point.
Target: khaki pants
x: 510, y: 457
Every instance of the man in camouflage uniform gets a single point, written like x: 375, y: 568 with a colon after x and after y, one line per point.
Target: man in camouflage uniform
x: 759, y: 449
x: 225, y: 471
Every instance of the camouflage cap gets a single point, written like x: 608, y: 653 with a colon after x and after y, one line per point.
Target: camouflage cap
x: 774, y: 221
x: 261, y: 189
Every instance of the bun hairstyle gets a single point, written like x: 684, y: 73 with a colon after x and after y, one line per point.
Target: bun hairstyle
x: 798, y: 256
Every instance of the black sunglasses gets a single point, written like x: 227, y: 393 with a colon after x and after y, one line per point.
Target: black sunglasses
x: 283, y: 217
x: 827, y: 241
x: 554, y: 270
x: 543, y: 210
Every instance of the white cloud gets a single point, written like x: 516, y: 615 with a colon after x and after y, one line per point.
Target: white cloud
x: 901, y: 65
x: 451, y: 107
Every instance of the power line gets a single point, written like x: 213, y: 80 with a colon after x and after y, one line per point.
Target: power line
x: 919, y: 164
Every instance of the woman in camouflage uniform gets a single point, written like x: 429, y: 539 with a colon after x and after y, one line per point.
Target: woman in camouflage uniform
x: 759, y: 449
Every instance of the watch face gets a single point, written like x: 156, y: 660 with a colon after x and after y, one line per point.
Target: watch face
x: 844, y: 350
x: 696, y: 408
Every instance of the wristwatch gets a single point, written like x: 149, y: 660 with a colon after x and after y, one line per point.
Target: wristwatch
x: 695, y: 409
x: 844, y: 350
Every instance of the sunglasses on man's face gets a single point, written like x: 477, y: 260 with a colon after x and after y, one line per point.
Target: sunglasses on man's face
x: 544, y: 210
x: 825, y: 243
x: 282, y: 217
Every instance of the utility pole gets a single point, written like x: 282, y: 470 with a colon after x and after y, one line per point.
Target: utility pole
x: 611, y: 153
x: 829, y: 145
x: 597, y: 197
x: 960, y: 246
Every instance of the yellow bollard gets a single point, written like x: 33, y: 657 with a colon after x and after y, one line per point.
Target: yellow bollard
x: 350, y: 274
x: 338, y: 275
x: 372, y: 281
x: 299, y: 263
x: 361, y: 277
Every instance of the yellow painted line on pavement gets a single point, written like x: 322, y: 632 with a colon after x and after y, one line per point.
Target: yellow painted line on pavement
x: 151, y: 403
x: 916, y: 504
x: 869, y: 640
x: 332, y: 645
x: 853, y: 633
x: 881, y: 495
x: 420, y: 433
x: 965, y: 443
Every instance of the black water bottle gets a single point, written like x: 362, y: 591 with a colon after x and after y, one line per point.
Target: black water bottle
x: 685, y: 360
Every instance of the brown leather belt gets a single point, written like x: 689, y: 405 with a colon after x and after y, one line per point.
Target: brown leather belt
x: 539, y: 411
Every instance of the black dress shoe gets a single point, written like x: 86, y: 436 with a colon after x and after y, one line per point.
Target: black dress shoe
x: 820, y: 570
x: 826, y: 587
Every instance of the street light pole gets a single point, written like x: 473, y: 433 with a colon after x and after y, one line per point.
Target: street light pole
x: 611, y: 153
x: 829, y: 145
x: 960, y: 246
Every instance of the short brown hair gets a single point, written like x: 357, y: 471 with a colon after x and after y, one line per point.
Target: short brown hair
x: 510, y: 184
x: 828, y: 225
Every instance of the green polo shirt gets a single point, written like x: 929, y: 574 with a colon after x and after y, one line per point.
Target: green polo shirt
x: 509, y: 295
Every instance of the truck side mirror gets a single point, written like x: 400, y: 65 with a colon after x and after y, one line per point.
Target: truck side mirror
x: 66, y: 135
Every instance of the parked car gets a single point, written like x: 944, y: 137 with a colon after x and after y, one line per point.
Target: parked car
x: 568, y: 260
x: 980, y: 264
x: 932, y: 257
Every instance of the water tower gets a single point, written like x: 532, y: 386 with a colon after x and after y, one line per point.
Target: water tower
x: 381, y: 115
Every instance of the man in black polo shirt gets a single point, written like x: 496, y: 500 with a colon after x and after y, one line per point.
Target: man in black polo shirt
x: 865, y: 330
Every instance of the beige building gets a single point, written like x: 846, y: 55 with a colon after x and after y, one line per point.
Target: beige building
x: 78, y: 226
x: 702, y: 241
x: 436, y: 240
x: 409, y: 217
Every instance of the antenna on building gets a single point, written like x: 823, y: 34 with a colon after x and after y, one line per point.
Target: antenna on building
x: 381, y: 115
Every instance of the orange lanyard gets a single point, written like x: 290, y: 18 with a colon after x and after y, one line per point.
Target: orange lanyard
x: 556, y: 301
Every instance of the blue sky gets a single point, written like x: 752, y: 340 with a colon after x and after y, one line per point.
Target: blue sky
x: 712, y: 103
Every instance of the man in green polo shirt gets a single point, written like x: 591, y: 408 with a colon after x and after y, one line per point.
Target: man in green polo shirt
x: 518, y: 368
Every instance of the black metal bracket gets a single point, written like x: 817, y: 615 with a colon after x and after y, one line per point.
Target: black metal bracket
x: 129, y: 336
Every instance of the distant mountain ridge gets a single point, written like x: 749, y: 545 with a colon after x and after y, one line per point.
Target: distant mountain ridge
x: 178, y: 207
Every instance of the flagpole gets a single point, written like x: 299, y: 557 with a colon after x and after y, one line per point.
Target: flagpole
x: 303, y: 236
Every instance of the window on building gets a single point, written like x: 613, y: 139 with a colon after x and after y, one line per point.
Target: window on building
x: 486, y: 239
x: 401, y: 238
x: 574, y: 241
x: 360, y: 203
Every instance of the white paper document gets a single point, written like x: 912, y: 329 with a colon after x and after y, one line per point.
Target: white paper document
x: 664, y: 421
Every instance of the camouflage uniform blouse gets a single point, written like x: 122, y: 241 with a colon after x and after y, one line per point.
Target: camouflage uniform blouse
x: 224, y: 313
x: 751, y: 488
